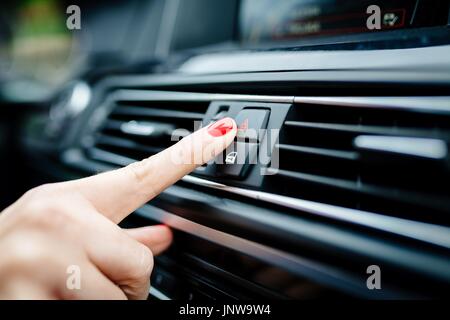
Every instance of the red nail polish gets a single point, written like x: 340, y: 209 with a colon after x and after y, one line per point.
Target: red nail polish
x: 221, y: 127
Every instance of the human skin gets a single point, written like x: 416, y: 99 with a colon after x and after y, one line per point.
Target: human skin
x: 58, y: 225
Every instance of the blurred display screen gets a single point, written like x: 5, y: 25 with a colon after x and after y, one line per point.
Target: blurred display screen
x: 268, y: 20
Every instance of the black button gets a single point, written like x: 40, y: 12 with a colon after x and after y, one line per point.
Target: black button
x: 250, y: 122
x: 237, y: 158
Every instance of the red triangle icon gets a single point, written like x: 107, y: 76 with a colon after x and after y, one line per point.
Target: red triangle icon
x: 244, y: 125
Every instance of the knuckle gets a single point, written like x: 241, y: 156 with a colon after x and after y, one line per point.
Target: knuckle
x: 139, y: 170
x: 40, y: 191
x: 54, y: 218
x: 39, y: 208
x: 29, y: 251
x: 45, y: 213
x: 46, y: 207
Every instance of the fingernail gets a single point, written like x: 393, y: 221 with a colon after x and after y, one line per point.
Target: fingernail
x: 221, y: 127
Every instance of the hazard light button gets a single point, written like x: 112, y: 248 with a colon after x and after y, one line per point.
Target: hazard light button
x: 251, y: 124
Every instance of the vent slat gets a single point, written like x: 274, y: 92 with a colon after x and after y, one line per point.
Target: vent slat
x: 338, y: 183
x: 127, y: 144
x: 359, y: 187
x: 326, y: 186
x: 144, y: 112
x: 361, y: 129
x: 109, y: 157
x: 319, y: 151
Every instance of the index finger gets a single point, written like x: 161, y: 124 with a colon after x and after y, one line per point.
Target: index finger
x: 118, y: 193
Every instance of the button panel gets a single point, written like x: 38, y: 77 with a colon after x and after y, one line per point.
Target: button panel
x: 252, y: 141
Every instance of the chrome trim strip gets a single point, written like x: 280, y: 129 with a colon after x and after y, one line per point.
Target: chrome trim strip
x: 433, y: 103
x: 158, y: 294
x: 156, y: 95
x: 292, y: 263
x: 434, y: 234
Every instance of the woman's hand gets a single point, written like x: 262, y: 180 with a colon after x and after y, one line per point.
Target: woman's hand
x: 72, y: 227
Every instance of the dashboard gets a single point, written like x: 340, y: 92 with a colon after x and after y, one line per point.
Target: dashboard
x: 352, y: 143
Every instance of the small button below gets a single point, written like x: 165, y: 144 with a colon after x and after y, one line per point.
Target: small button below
x: 237, y: 159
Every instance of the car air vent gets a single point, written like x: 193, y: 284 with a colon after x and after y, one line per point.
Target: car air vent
x: 368, y: 154
x: 138, y: 127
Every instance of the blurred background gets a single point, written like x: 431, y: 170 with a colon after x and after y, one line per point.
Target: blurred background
x: 38, y: 52
x: 41, y: 60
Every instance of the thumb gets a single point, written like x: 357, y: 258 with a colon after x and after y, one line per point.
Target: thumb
x: 156, y: 238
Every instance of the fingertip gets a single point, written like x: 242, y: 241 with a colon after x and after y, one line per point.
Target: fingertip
x: 163, y: 238
x: 222, y: 127
x: 165, y: 233
x: 158, y: 237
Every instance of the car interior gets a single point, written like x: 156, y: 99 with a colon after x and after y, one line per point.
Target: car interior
x: 351, y: 106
